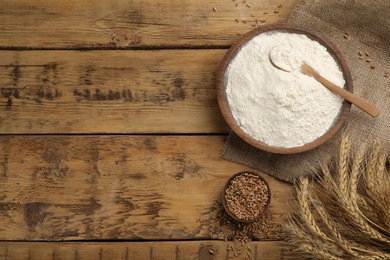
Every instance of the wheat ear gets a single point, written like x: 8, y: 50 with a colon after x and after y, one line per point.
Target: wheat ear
x: 344, y: 204
x: 343, y: 243
x: 353, y: 183
x: 360, y: 222
x: 329, y: 186
x: 318, y: 252
x: 377, y: 184
x: 307, y: 215
x: 355, y: 176
x: 348, y: 197
x: 343, y: 165
x: 358, y: 200
x: 302, y: 237
x: 371, y: 172
x: 382, y: 176
x: 350, y: 247
x: 356, y: 167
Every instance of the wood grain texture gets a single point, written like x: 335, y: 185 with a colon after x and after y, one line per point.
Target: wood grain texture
x: 167, y: 91
x: 117, y: 187
x: 134, y: 23
x: 182, y: 250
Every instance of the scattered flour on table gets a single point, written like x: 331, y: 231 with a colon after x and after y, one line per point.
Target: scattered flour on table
x: 279, y: 108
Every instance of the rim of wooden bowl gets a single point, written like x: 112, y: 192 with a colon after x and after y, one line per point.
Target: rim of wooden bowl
x: 281, y: 27
x: 224, y: 202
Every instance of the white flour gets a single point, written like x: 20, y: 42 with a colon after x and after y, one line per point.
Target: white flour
x: 283, y: 109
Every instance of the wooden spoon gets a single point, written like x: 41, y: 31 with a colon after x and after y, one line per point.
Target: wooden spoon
x: 357, y: 101
x: 279, y: 51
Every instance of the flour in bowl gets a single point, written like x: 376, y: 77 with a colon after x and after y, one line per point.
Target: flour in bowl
x: 279, y: 108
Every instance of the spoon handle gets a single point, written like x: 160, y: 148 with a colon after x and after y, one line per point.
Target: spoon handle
x: 357, y: 101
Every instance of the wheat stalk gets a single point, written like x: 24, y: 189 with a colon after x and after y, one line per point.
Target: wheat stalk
x: 349, y: 196
x: 350, y: 205
x: 359, y: 202
x: 353, y: 248
x: 377, y: 183
x: 351, y: 221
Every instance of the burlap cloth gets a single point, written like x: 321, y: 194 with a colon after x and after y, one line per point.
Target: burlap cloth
x: 368, y: 24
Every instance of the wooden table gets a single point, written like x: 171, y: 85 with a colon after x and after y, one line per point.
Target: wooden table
x: 111, y: 135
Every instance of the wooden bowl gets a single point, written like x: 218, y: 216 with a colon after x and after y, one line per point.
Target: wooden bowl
x: 222, y: 80
x: 224, y: 202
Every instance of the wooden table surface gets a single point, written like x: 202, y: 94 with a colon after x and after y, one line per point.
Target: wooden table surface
x: 111, y: 135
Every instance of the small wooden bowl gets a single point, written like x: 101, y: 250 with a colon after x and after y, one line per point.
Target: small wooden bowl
x: 222, y: 82
x: 224, y: 202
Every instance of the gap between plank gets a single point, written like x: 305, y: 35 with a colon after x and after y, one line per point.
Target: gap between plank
x: 117, y: 134
x: 127, y: 240
x: 105, y: 48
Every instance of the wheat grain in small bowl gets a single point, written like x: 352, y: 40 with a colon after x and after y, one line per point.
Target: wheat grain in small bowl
x: 276, y: 110
x: 246, y: 196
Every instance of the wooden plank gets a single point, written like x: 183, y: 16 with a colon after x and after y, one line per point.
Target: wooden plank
x: 135, y: 23
x: 118, y: 187
x: 185, y: 250
x: 167, y: 91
